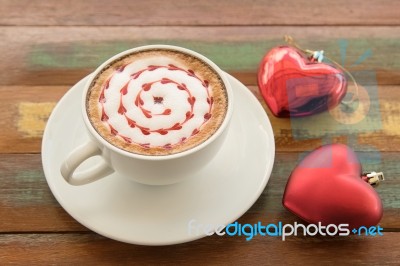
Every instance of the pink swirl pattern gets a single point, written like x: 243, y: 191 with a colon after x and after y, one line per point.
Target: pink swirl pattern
x: 155, y: 105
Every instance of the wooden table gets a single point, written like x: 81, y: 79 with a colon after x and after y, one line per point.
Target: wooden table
x: 47, y: 46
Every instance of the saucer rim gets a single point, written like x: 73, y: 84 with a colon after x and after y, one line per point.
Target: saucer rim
x: 256, y: 195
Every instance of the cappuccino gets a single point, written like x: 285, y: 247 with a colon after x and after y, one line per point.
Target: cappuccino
x: 157, y: 102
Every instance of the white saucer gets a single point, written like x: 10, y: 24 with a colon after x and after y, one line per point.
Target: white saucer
x: 159, y: 215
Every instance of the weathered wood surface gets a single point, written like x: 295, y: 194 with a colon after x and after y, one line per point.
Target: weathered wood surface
x: 184, y: 12
x: 27, y: 205
x: 26, y: 109
x: 84, y: 249
x: 63, y: 55
x: 46, y: 47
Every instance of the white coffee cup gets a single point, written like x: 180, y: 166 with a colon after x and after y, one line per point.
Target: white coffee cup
x: 146, y: 169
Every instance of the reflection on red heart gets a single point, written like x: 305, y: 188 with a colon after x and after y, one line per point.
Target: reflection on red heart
x: 327, y: 187
x: 293, y: 85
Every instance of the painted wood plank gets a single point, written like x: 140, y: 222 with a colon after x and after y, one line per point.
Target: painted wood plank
x: 88, y: 249
x: 27, y: 204
x: 184, y: 12
x: 63, y: 55
x: 26, y: 110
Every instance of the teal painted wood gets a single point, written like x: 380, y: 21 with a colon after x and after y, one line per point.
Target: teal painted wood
x: 26, y: 201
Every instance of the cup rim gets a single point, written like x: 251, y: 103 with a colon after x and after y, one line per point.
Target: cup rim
x: 192, y: 150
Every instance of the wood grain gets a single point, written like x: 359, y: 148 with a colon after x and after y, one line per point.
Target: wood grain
x: 84, y: 249
x: 26, y: 109
x: 25, y: 112
x: 64, y: 55
x: 47, y: 46
x: 185, y: 12
x: 27, y: 204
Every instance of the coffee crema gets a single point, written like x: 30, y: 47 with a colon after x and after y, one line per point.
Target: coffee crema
x: 157, y: 102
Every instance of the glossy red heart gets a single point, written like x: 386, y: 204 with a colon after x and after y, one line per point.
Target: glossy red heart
x: 293, y: 86
x: 327, y: 187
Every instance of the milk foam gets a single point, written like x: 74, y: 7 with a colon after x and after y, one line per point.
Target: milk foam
x: 167, y: 106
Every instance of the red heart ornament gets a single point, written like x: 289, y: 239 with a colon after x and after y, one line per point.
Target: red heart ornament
x: 327, y: 187
x: 293, y: 85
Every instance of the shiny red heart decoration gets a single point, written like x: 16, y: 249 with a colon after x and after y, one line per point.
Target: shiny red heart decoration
x: 327, y: 187
x: 294, y: 85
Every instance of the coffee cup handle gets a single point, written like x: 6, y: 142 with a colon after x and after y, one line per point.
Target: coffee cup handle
x: 76, y: 158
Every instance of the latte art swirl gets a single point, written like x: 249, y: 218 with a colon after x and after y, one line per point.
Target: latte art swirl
x: 157, y: 102
x: 145, y: 103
